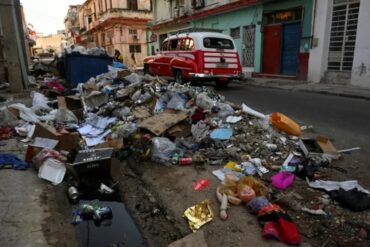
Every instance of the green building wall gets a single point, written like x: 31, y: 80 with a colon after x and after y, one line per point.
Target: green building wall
x: 238, y: 18
x: 254, y: 15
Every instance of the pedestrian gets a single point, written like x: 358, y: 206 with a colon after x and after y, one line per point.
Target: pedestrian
x: 118, y: 56
x: 133, y: 58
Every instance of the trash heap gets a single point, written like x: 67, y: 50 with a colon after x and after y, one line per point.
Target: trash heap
x: 122, y: 114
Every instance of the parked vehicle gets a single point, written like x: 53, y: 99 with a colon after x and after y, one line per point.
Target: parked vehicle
x: 196, y: 56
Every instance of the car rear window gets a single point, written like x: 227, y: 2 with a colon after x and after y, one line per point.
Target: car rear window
x: 218, y: 43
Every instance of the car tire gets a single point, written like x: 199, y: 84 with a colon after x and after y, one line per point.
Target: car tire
x: 146, y: 69
x: 222, y: 84
x: 179, y: 77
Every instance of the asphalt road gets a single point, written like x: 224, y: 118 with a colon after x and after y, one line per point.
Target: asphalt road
x: 345, y: 120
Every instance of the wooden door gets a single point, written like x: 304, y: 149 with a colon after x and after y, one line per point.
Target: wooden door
x: 271, y: 49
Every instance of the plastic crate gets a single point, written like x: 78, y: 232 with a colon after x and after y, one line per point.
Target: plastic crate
x: 80, y: 68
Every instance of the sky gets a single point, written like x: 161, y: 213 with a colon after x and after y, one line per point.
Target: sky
x: 47, y: 16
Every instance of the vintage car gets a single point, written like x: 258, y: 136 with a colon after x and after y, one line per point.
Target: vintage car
x: 196, y: 56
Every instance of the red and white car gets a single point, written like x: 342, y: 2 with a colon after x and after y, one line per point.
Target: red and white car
x: 196, y: 56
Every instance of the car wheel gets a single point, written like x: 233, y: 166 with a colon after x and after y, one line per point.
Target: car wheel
x: 222, y: 84
x: 146, y: 69
x: 178, y: 77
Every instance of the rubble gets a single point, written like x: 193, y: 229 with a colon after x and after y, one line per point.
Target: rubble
x: 122, y: 114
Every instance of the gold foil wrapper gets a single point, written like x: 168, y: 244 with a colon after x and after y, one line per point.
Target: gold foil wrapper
x: 198, y: 215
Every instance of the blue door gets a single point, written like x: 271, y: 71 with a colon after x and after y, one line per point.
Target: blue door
x: 290, y: 48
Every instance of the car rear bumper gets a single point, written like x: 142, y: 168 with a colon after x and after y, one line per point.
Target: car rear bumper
x: 215, y: 77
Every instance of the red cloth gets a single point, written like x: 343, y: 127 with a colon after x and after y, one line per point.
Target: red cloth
x: 276, y: 223
x: 282, y: 229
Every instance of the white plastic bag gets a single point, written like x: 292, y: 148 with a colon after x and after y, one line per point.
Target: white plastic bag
x: 25, y: 113
x: 177, y: 102
x: 39, y: 102
x: 7, y: 118
x: 162, y: 149
x: 134, y: 78
x: 205, y: 102
x: 64, y: 115
x: 225, y: 110
x: 200, y: 131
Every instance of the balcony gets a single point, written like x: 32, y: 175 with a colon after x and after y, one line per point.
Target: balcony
x: 126, y: 13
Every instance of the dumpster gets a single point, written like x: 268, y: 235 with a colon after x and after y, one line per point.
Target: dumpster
x: 79, y: 68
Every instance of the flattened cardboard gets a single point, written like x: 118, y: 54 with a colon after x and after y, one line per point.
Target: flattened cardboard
x: 67, y: 140
x: 182, y: 129
x: 124, y: 92
x: 159, y: 123
x: 123, y: 73
x: 95, y: 99
x: 116, y: 144
x: 141, y: 112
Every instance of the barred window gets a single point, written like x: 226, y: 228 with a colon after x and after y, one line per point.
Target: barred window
x: 235, y: 33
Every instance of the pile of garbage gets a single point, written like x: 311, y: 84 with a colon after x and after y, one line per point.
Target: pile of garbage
x: 122, y: 114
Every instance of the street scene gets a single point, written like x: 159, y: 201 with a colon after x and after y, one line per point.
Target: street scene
x: 184, y: 123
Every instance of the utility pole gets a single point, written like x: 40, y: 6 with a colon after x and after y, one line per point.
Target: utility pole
x: 13, y: 44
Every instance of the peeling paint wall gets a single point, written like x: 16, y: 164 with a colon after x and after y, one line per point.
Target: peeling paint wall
x: 361, y: 61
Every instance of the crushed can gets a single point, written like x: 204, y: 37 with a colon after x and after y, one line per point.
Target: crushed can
x: 185, y: 161
x: 76, y: 216
x: 87, y: 209
x: 102, y: 213
x: 73, y: 193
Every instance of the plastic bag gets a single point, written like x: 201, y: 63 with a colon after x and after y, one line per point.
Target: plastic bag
x: 80, y: 49
x: 39, y: 102
x: 64, y: 115
x: 177, y: 102
x: 49, y: 117
x: 225, y: 110
x: 205, y: 102
x: 126, y: 130
x: 7, y: 118
x: 134, y: 78
x: 43, y: 155
x: 162, y: 149
x: 25, y: 113
x: 199, y: 131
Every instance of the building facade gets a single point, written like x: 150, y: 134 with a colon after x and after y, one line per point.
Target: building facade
x: 72, y: 24
x: 50, y: 43
x: 341, y: 49
x: 272, y: 37
x: 116, y: 24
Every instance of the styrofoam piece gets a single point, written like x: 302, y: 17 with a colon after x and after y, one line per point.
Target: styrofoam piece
x: 52, y: 170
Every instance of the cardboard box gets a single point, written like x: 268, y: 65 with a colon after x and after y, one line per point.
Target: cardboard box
x: 38, y: 145
x: 318, y: 146
x: 72, y: 103
x: 67, y: 140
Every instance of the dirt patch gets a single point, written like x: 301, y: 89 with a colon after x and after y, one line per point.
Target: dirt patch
x: 57, y: 227
x: 154, y: 220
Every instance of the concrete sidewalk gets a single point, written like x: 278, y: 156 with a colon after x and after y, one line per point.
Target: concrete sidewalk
x: 322, y: 88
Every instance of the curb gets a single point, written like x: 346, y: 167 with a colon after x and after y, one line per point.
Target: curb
x: 347, y: 95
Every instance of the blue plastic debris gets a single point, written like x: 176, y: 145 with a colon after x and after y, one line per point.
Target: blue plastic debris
x: 222, y: 134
